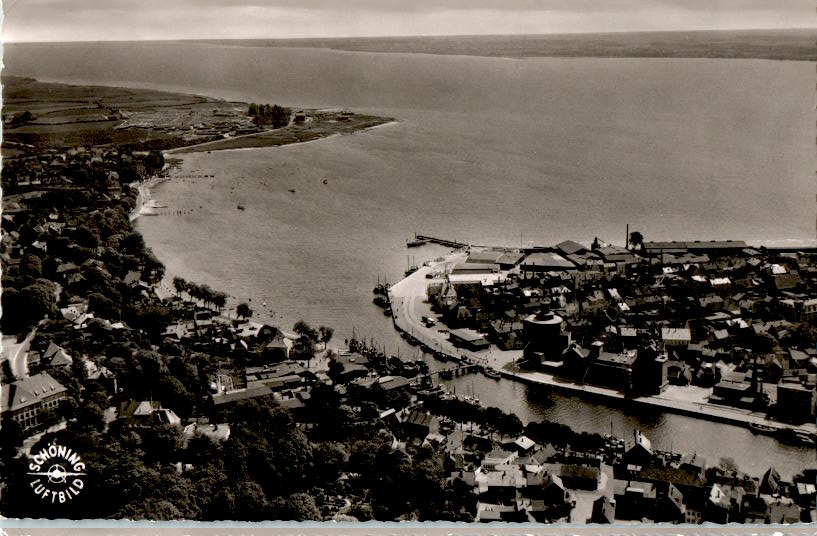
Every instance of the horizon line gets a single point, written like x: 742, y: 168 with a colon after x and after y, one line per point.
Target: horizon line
x: 412, y: 36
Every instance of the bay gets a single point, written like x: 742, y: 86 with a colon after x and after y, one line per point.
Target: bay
x: 486, y: 151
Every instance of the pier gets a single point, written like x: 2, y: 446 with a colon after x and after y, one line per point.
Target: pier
x: 451, y: 372
x: 441, y: 241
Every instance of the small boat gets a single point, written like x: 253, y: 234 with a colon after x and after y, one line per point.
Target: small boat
x: 446, y: 374
x: 492, y: 373
x: 415, y: 243
x: 796, y: 437
x: 325, y: 181
x: 381, y: 288
x: 762, y: 428
x: 387, y: 311
x: 380, y: 301
x: 292, y: 190
x: 240, y: 207
x: 411, y: 268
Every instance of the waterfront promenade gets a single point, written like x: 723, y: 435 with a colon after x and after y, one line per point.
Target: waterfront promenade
x: 409, y: 304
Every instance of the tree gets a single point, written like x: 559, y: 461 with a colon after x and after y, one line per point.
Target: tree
x: 297, y: 507
x: 305, y: 330
x: 30, y: 304
x: 206, y: 294
x: 31, y: 265
x: 132, y: 243
x: 304, y: 346
x: 325, y: 335
x: 92, y: 416
x: 636, y: 241
x: 86, y: 237
x: 219, y: 300
x: 10, y: 300
x: 103, y: 307
x: 243, y: 310
x: 11, y: 438
x: 155, y: 161
x: 152, y: 319
x: 335, y: 371
x: 250, y: 502
x: 329, y: 460
x: 174, y: 394
x: 153, y: 267
x: 179, y: 285
x: 151, y: 508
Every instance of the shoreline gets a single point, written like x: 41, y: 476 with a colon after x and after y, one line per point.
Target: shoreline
x: 144, y: 196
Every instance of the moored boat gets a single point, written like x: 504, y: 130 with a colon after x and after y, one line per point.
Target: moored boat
x: 381, y: 288
x: 796, y: 437
x: 762, y: 428
x: 492, y: 373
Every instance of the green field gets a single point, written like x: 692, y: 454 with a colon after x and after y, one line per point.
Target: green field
x: 70, y: 115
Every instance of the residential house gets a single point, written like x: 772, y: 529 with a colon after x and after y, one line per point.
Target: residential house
x: 579, y: 476
x: 498, y: 457
x: 604, y: 511
x: 676, y: 337
x: 135, y: 413
x: 638, y: 451
x: 419, y: 424
x: 635, y: 500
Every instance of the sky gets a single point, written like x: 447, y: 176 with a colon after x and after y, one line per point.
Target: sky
x: 111, y: 20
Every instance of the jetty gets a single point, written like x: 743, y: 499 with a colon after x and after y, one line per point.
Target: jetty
x: 441, y: 241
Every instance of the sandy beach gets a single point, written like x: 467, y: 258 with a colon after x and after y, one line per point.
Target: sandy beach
x: 143, y: 197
